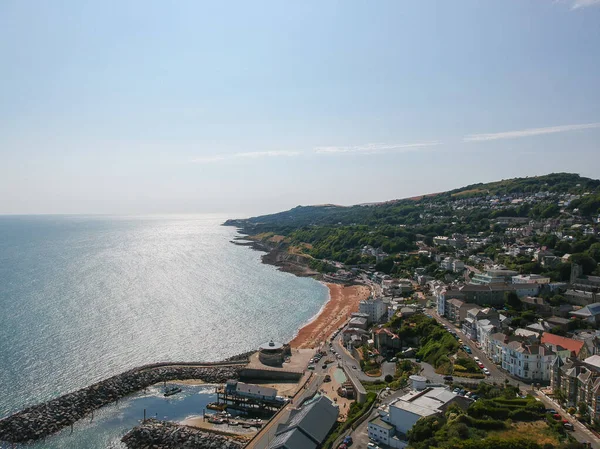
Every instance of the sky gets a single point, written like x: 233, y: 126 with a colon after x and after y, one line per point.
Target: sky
x: 244, y: 108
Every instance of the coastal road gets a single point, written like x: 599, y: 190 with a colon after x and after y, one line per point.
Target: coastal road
x: 348, y: 360
x: 497, y: 375
x: 581, y: 433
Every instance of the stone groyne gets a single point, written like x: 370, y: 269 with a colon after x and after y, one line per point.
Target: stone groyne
x: 44, y: 419
x: 166, y: 435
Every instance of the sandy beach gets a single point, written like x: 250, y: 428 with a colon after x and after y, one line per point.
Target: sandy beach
x: 344, y: 301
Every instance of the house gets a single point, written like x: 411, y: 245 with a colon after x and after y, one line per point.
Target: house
x: 589, y: 313
x: 394, y: 421
x: 375, y: 308
x: 579, y: 383
x: 358, y: 322
x: 475, y: 314
x: 354, y: 335
x: 539, y: 305
x: 556, y: 321
x: 528, y: 361
x: 385, y: 340
x: 580, y: 297
x: 530, y: 279
x: 497, y: 274
x: 575, y: 347
x: 250, y: 391
x: 456, y: 310
x: 307, y: 426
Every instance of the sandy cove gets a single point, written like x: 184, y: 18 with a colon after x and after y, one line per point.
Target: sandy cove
x: 344, y: 301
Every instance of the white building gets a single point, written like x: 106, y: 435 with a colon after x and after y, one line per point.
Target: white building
x: 374, y: 308
x: 530, y: 279
x: 531, y: 362
x: 394, y: 421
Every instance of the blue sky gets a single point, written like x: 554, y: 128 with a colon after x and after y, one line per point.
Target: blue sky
x: 254, y: 107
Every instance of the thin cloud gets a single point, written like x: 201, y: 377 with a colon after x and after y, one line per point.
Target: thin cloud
x: 577, y: 4
x: 249, y: 155
x: 528, y: 132
x: 371, y: 148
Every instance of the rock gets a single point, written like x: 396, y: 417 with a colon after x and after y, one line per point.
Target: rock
x: 41, y: 420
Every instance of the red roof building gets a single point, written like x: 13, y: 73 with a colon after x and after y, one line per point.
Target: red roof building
x: 574, y: 346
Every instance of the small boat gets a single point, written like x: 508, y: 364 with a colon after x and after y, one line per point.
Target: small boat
x: 233, y: 423
x: 170, y: 391
x: 246, y: 426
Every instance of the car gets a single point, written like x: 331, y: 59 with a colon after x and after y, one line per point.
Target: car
x: 324, y: 366
x: 476, y: 358
x: 353, y: 366
x: 480, y: 365
x: 456, y: 390
x: 449, y: 378
x: 569, y: 426
x: 348, y: 440
x: 311, y: 367
x: 551, y: 410
x: 460, y: 340
x: 486, y: 371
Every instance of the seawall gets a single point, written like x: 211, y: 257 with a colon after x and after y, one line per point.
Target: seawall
x: 39, y: 421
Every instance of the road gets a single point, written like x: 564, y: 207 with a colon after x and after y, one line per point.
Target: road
x: 581, y: 433
x: 387, y: 368
x: 496, y: 375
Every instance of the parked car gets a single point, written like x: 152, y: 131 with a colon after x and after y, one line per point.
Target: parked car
x: 348, y: 440
x: 569, y: 426
x: 476, y: 359
x: 449, y: 378
x: 486, y: 371
x: 480, y: 365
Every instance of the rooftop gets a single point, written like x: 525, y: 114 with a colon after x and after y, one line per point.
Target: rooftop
x: 591, y: 310
x: 564, y: 342
x: 381, y: 423
x: 426, y: 402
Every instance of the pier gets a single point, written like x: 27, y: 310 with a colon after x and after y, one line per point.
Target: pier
x: 44, y: 419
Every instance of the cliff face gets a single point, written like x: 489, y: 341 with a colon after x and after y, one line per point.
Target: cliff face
x: 278, y: 254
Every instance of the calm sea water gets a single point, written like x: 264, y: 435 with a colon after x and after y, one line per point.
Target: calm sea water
x: 86, y: 297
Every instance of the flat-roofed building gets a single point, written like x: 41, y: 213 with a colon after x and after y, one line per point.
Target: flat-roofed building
x: 394, y: 421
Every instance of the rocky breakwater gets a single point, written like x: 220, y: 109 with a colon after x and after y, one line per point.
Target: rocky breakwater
x: 41, y: 420
x: 166, y: 435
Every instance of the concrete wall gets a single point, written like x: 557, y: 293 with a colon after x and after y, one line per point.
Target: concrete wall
x: 270, y: 375
x: 361, y: 393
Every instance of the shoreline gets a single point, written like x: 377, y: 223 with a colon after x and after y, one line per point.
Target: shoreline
x: 343, y: 299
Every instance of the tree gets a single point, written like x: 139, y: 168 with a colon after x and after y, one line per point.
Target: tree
x: 587, y: 263
x: 512, y: 300
x: 594, y: 252
x: 389, y: 378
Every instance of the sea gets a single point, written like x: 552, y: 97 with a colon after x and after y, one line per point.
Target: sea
x: 85, y: 297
